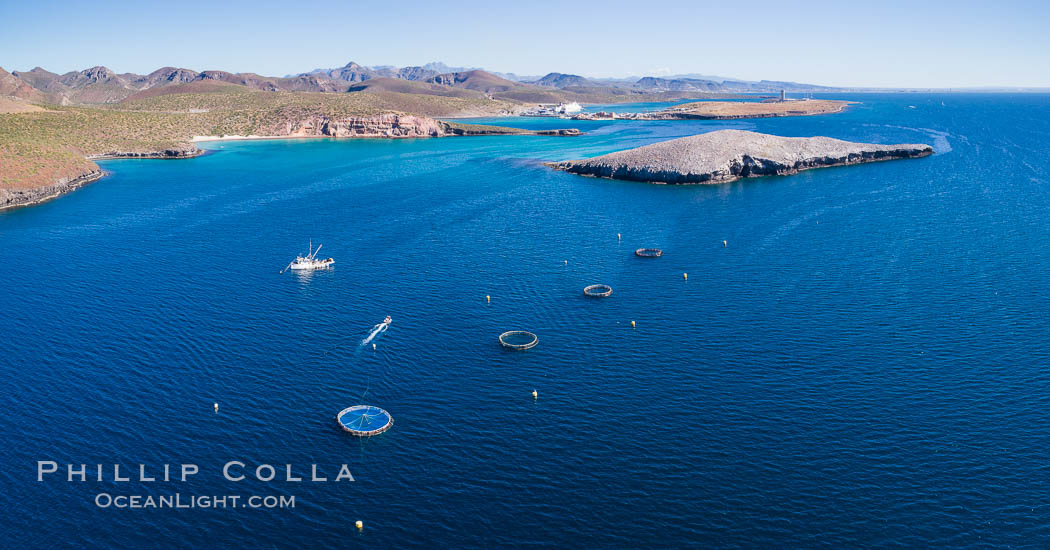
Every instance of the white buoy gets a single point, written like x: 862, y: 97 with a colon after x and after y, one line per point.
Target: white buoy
x: 488, y: 299
x: 566, y: 262
x: 534, y: 394
x: 359, y: 524
x: 618, y: 237
x: 216, y: 407
x: 724, y: 244
x: 373, y: 346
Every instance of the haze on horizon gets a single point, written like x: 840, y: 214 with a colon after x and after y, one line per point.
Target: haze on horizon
x: 896, y: 44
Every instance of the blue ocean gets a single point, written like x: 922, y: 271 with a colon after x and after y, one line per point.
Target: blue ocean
x: 862, y: 364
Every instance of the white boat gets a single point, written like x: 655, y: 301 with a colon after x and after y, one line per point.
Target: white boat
x: 568, y: 108
x: 310, y: 261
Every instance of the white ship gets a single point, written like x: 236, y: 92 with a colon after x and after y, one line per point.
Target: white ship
x: 310, y: 261
x: 568, y: 108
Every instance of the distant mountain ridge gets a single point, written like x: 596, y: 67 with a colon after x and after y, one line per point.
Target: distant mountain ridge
x: 100, y: 84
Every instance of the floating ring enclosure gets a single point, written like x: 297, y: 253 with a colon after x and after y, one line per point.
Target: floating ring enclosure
x: 518, y: 339
x: 649, y: 252
x: 364, y: 420
x: 598, y: 291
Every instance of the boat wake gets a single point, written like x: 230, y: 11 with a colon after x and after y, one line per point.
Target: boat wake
x: 373, y: 333
x: 376, y: 331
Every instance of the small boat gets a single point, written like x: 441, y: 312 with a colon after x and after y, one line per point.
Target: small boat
x: 388, y: 320
x: 310, y: 261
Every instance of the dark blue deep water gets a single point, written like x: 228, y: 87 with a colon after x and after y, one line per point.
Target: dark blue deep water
x: 864, y: 365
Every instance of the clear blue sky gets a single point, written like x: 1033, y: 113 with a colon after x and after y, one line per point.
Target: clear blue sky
x: 875, y: 43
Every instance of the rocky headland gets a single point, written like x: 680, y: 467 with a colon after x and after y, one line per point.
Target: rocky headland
x: 14, y: 197
x: 11, y: 197
x: 183, y: 151
x: 729, y: 155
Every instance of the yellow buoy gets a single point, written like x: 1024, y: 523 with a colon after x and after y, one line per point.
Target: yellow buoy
x: 632, y: 324
x: 216, y: 407
x: 488, y: 299
x: 373, y: 347
x: 360, y: 525
x: 534, y: 394
x: 685, y: 276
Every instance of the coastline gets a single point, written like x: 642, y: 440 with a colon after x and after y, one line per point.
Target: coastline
x: 32, y: 197
x: 433, y: 129
x: 206, y: 139
x: 455, y: 132
x: 166, y: 154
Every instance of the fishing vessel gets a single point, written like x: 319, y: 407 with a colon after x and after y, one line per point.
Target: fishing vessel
x: 310, y: 261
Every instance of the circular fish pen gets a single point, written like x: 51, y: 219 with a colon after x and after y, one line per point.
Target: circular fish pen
x: 518, y: 339
x: 598, y: 291
x: 649, y: 252
x: 364, y: 420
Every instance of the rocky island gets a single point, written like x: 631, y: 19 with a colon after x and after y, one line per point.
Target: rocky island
x: 729, y: 155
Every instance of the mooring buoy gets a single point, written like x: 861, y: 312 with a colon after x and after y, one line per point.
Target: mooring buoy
x: 632, y: 324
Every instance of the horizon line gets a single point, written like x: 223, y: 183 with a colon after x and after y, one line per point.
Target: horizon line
x: 672, y: 76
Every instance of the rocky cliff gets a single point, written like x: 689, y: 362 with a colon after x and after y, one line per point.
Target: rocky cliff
x: 393, y: 125
x: 10, y: 198
x: 183, y: 151
x: 384, y: 125
x: 729, y: 155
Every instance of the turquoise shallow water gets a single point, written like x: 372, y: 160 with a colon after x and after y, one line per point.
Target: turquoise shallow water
x: 863, y: 365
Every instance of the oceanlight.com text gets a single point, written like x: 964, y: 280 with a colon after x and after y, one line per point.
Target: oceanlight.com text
x: 185, y: 501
